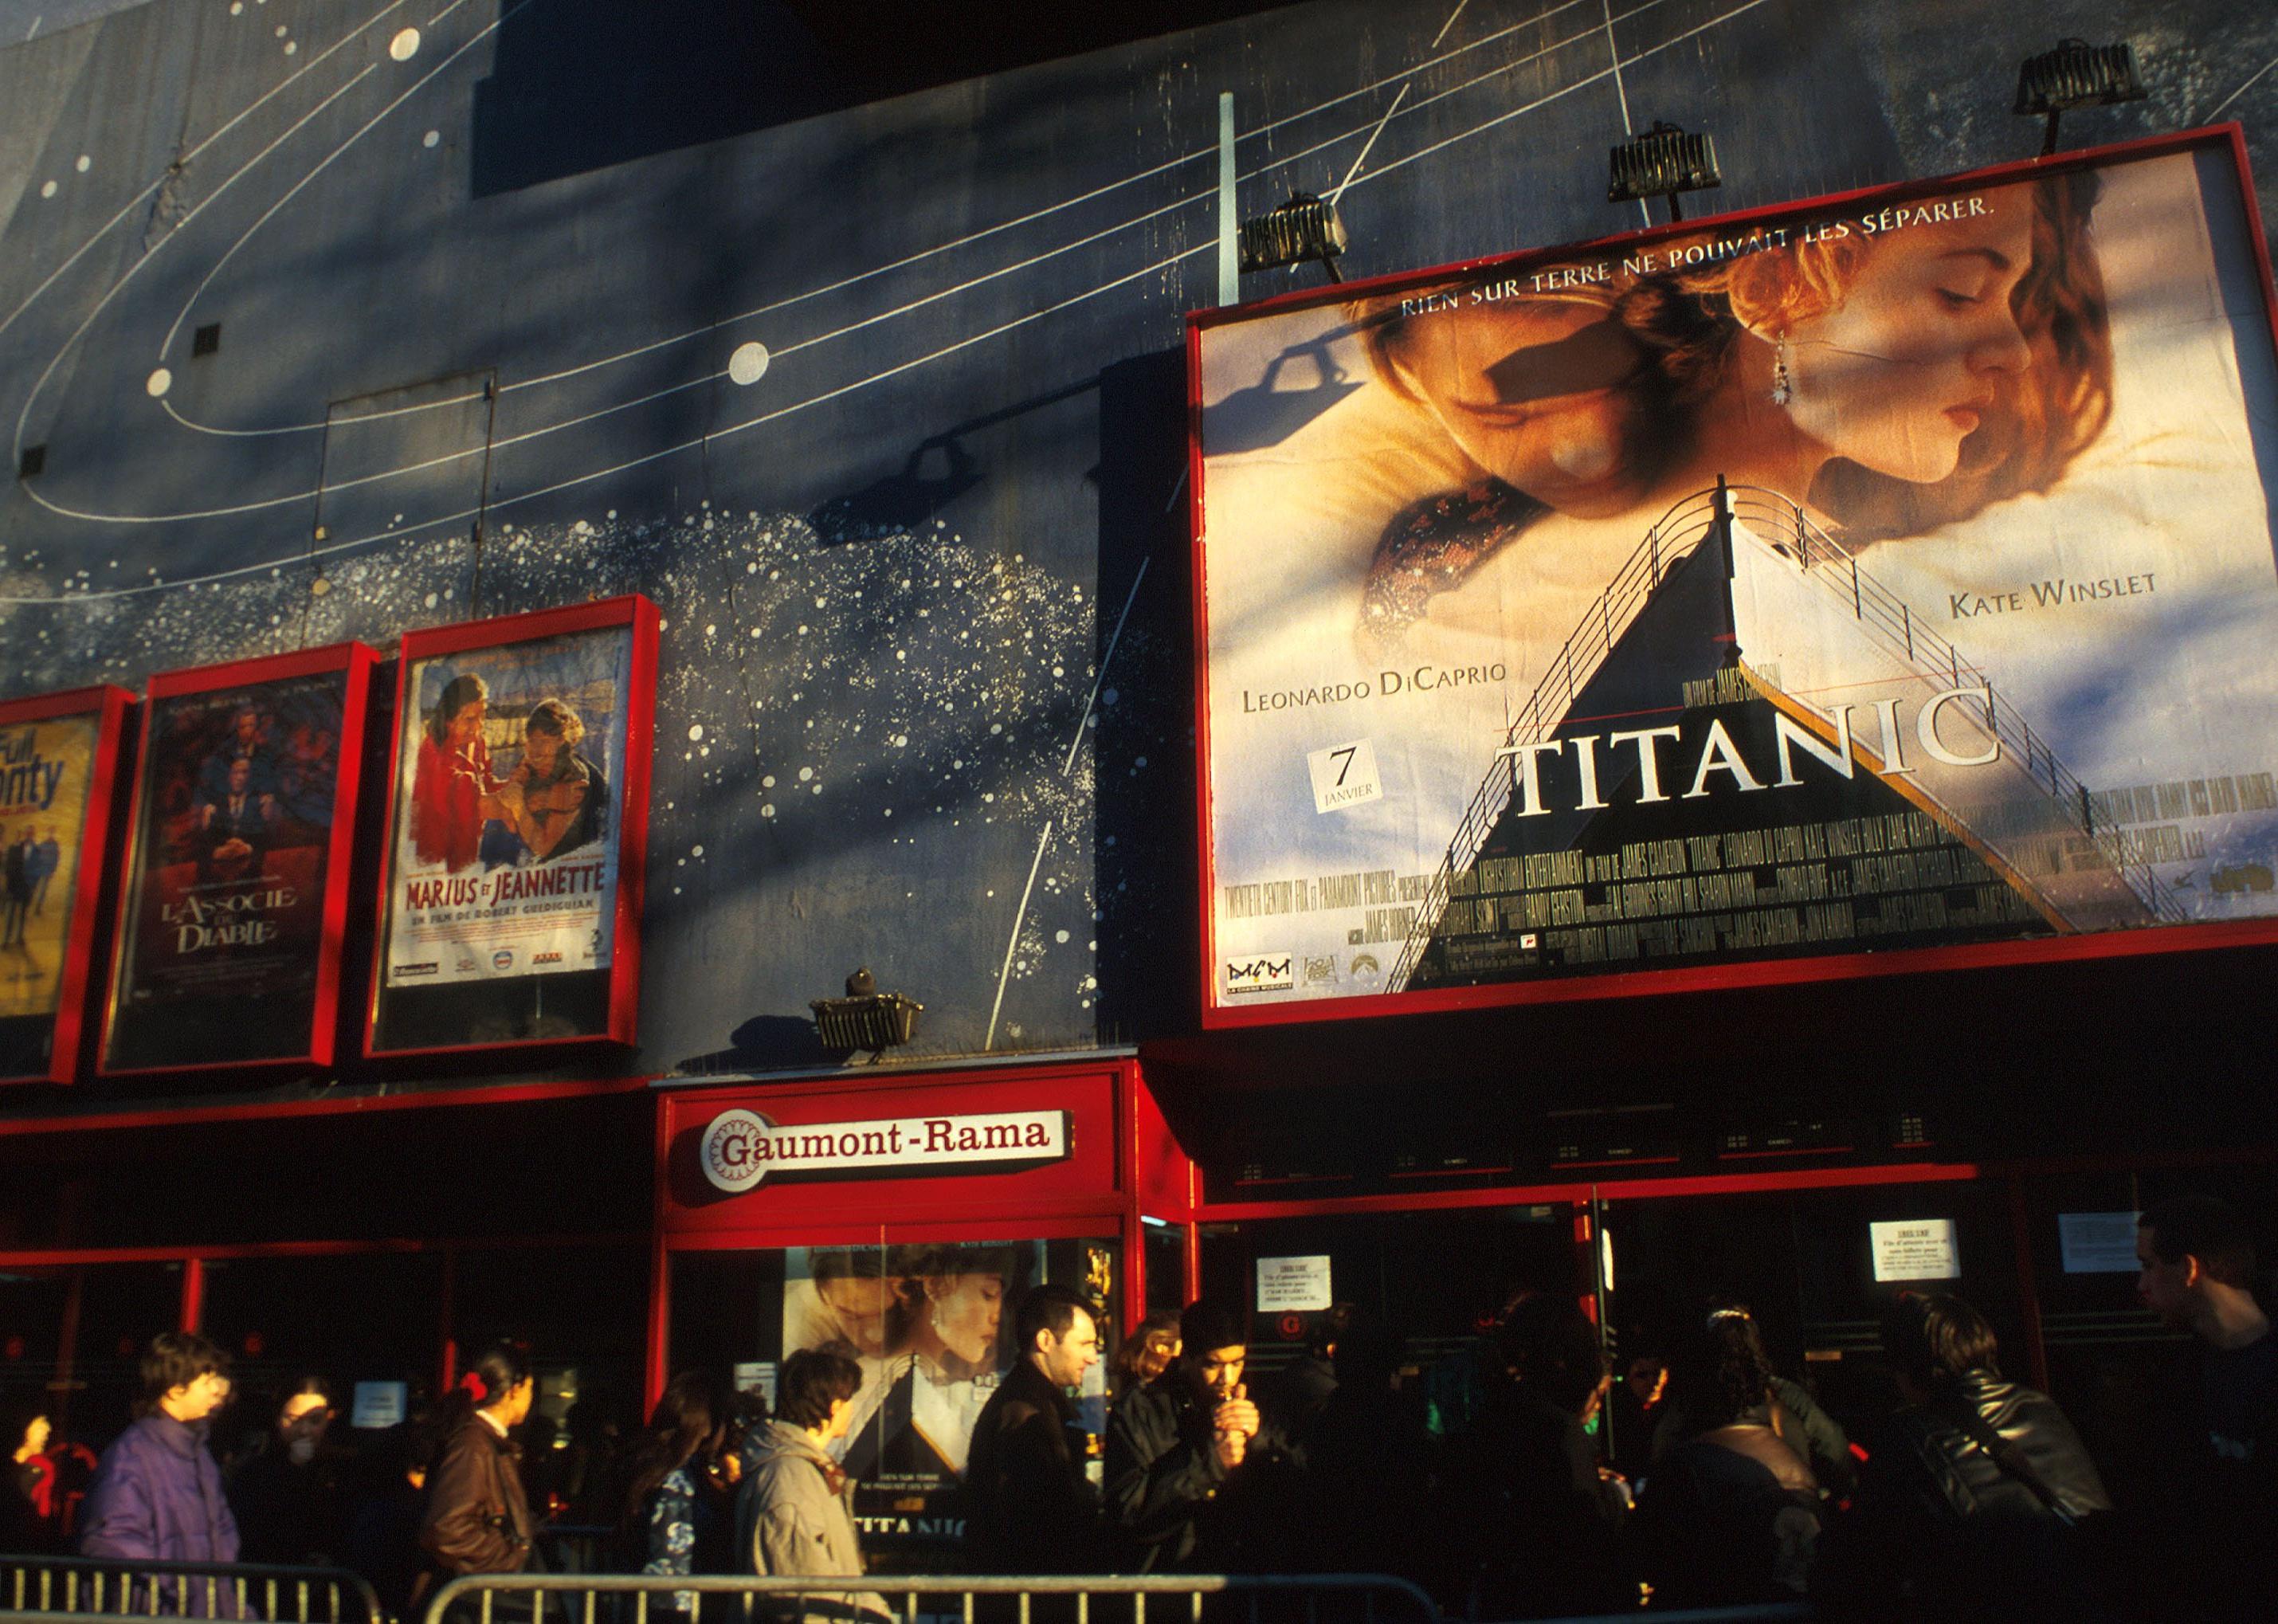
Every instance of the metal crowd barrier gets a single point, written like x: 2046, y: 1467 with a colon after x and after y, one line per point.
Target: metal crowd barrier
x: 637, y: 1599
x: 72, y: 1588
x: 1759, y: 1612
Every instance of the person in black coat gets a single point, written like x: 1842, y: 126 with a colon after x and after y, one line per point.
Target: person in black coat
x: 1174, y: 1444
x: 1029, y: 1506
x: 1537, y: 1525
x: 1975, y: 1498
x: 1732, y: 1514
x: 285, y: 1494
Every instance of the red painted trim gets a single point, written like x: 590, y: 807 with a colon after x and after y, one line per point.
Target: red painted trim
x: 632, y: 828
x: 110, y: 705
x: 447, y: 1314
x: 1619, y: 1161
x: 504, y: 1094
x: 252, y: 673
x: 1006, y: 1221
x: 518, y: 1045
x: 358, y: 662
x: 1625, y: 1190
x: 91, y: 1256
x: 1765, y: 973
x: 194, y: 1294
x: 635, y: 613
x: 1217, y: 1015
x: 2028, y: 1288
x: 1198, y: 523
x: 657, y: 1349
x: 1132, y: 1138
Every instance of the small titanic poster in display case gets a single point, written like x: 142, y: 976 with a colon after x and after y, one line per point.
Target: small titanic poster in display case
x: 510, y: 899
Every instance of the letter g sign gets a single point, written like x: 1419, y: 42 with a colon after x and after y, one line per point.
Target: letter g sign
x: 730, y: 1150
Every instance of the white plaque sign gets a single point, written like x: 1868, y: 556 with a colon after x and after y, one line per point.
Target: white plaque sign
x: 740, y: 1148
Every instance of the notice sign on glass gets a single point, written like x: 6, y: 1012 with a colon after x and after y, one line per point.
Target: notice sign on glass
x: 377, y: 1405
x: 2097, y: 1242
x: 1915, y: 1249
x: 1890, y: 572
x: 1293, y: 1285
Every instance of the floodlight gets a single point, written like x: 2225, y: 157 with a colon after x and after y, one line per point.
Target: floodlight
x: 2075, y: 74
x: 1305, y: 227
x: 865, y: 1018
x: 1661, y: 162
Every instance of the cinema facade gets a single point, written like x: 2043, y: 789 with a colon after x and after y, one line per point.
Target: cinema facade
x: 1611, y: 856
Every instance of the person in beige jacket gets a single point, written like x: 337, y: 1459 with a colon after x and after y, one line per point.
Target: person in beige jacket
x: 794, y: 1516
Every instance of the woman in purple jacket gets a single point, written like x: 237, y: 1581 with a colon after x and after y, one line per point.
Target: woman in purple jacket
x: 156, y: 1495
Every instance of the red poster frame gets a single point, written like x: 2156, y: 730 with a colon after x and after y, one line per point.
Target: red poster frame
x: 110, y: 705
x: 358, y: 662
x: 2226, y: 139
x: 637, y: 614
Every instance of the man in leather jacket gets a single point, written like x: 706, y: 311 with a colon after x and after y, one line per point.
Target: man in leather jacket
x: 1975, y: 1494
x: 1175, y: 1443
x: 478, y: 1518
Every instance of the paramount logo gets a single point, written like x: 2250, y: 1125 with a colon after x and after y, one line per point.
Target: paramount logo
x: 740, y: 1147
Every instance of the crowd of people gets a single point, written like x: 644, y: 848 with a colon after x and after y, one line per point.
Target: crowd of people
x: 1517, y: 1480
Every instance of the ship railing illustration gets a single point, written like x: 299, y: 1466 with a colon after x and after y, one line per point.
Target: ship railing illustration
x: 1888, y: 620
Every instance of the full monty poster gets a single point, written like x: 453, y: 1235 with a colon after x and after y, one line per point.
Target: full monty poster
x: 1975, y: 647
x: 46, y: 770
x: 504, y: 841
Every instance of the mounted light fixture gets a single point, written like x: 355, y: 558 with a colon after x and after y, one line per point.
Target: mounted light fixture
x: 2075, y: 74
x: 1305, y: 227
x: 1661, y: 162
x: 866, y: 1019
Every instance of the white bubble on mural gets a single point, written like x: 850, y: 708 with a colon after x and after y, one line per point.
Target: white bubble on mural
x: 158, y: 383
x: 749, y: 363
x: 432, y: 138
x: 85, y: 164
x: 405, y: 45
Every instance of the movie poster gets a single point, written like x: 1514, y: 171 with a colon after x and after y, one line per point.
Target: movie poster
x: 45, y: 772
x: 1975, y: 645
x: 223, y: 923
x: 510, y: 772
x: 931, y: 1327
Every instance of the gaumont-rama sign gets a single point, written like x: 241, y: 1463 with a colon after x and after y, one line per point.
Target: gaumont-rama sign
x: 740, y: 1148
